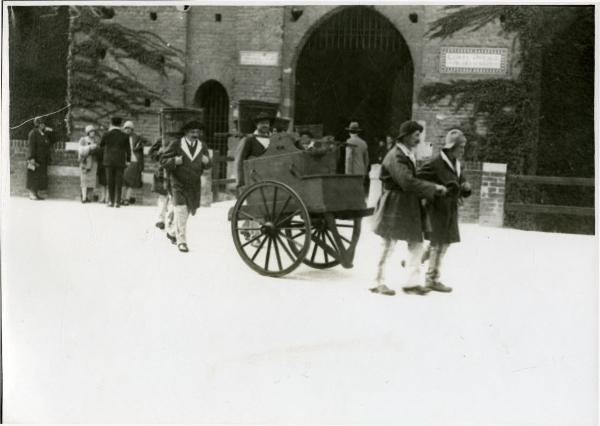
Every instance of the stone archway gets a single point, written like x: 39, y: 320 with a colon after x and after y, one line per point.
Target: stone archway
x: 355, y: 65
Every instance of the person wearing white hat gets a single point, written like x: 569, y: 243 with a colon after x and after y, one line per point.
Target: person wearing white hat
x: 444, y: 169
x: 88, y: 163
x: 132, y: 177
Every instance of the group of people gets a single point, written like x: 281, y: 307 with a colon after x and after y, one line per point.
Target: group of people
x: 416, y: 204
x: 114, y: 162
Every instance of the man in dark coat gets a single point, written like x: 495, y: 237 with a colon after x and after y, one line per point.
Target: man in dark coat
x: 185, y: 160
x: 444, y: 169
x: 116, y: 156
x: 255, y: 144
x: 399, y: 214
x: 40, y: 141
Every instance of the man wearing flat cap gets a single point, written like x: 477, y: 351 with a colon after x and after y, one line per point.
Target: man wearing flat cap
x: 399, y: 214
x: 444, y: 169
x: 255, y: 144
x: 185, y: 160
x: 39, y: 140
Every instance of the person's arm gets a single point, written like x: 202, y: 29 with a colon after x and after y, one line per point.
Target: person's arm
x: 465, y: 187
x: 402, y: 175
x: 84, y: 149
x: 241, y: 155
x: 154, y: 152
x: 32, y: 145
x: 169, y: 158
x: 206, y: 160
x: 366, y: 160
x: 127, y: 148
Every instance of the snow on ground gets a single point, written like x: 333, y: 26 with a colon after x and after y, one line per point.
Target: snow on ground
x: 105, y: 321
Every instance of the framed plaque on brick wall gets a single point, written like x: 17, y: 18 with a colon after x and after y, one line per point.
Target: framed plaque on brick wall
x: 474, y: 60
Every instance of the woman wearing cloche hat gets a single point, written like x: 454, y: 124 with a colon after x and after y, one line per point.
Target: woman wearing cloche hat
x: 88, y: 163
x: 444, y: 169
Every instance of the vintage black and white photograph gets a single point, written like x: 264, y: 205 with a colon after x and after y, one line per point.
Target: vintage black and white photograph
x: 319, y: 213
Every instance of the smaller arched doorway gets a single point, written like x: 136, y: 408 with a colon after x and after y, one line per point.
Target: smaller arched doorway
x: 212, y: 97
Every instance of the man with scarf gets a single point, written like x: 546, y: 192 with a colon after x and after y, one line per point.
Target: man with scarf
x: 185, y: 160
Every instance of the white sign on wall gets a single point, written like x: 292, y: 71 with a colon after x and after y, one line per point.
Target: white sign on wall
x: 259, y: 58
x: 473, y: 60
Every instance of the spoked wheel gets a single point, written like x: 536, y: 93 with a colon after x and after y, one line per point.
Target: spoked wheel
x: 325, y: 253
x: 268, y: 218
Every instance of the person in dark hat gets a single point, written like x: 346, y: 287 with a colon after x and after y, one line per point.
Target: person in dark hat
x: 357, y: 154
x: 40, y: 140
x: 444, y: 169
x: 255, y: 144
x: 116, y: 156
x: 185, y: 160
x: 399, y: 214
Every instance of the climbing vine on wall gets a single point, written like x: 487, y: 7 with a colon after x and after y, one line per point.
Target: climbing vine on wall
x: 510, y: 107
x: 103, y: 64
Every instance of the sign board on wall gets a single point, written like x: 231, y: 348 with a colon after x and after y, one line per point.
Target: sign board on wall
x: 473, y: 60
x: 261, y: 58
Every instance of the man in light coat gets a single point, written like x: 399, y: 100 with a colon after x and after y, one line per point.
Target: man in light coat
x: 357, y: 154
x: 399, y: 214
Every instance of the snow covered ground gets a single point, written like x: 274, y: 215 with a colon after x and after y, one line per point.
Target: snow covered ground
x: 105, y: 321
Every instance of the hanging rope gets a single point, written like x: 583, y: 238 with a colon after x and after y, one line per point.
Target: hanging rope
x: 45, y: 115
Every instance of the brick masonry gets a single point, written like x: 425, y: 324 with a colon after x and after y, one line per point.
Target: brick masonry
x: 211, y: 38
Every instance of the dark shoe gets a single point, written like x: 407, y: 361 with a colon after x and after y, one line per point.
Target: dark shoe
x: 439, y: 287
x: 132, y: 200
x: 110, y: 205
x: 171, y: 238
x: 382, y: 289
x: 403, y: 263
x: 40, y: 197
x: 417, y: 289
x: 183, y: 247
x: 160, y: 225
x: 95, y: 198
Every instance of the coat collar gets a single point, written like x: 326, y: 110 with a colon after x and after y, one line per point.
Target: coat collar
x: 407, y: 153
x: 186, y: 149
x: 449, y: 163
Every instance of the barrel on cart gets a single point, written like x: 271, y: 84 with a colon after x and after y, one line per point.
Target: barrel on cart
x: 296, y: 209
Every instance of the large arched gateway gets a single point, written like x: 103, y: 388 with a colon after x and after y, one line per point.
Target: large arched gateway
x: 354, y: 66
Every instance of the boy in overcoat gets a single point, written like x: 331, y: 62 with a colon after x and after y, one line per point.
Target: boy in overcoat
x: 116, y: 156
x: 185, y: 160
x: 399, y: 214
x: 444, y: 169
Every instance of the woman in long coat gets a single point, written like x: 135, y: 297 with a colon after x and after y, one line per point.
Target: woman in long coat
x: 444, y: 169
x: 132, y: 176
x: 38, y: 159
x: 88, y: 163
x: 399, y: 214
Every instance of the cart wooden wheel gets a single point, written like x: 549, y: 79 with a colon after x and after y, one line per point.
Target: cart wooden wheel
x: 325, y: 253
x: 268, y: 218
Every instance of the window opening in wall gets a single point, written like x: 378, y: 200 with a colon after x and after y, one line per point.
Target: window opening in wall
x: 153, y: 16
x: 414, y: 18
x: 218, y: 17
x: 147, y: 102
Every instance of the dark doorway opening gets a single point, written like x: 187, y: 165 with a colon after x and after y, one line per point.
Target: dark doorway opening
x: 354, y: 66
x: 212, y: 97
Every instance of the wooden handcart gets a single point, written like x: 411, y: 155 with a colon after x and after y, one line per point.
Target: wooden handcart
x: 296, y: 209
